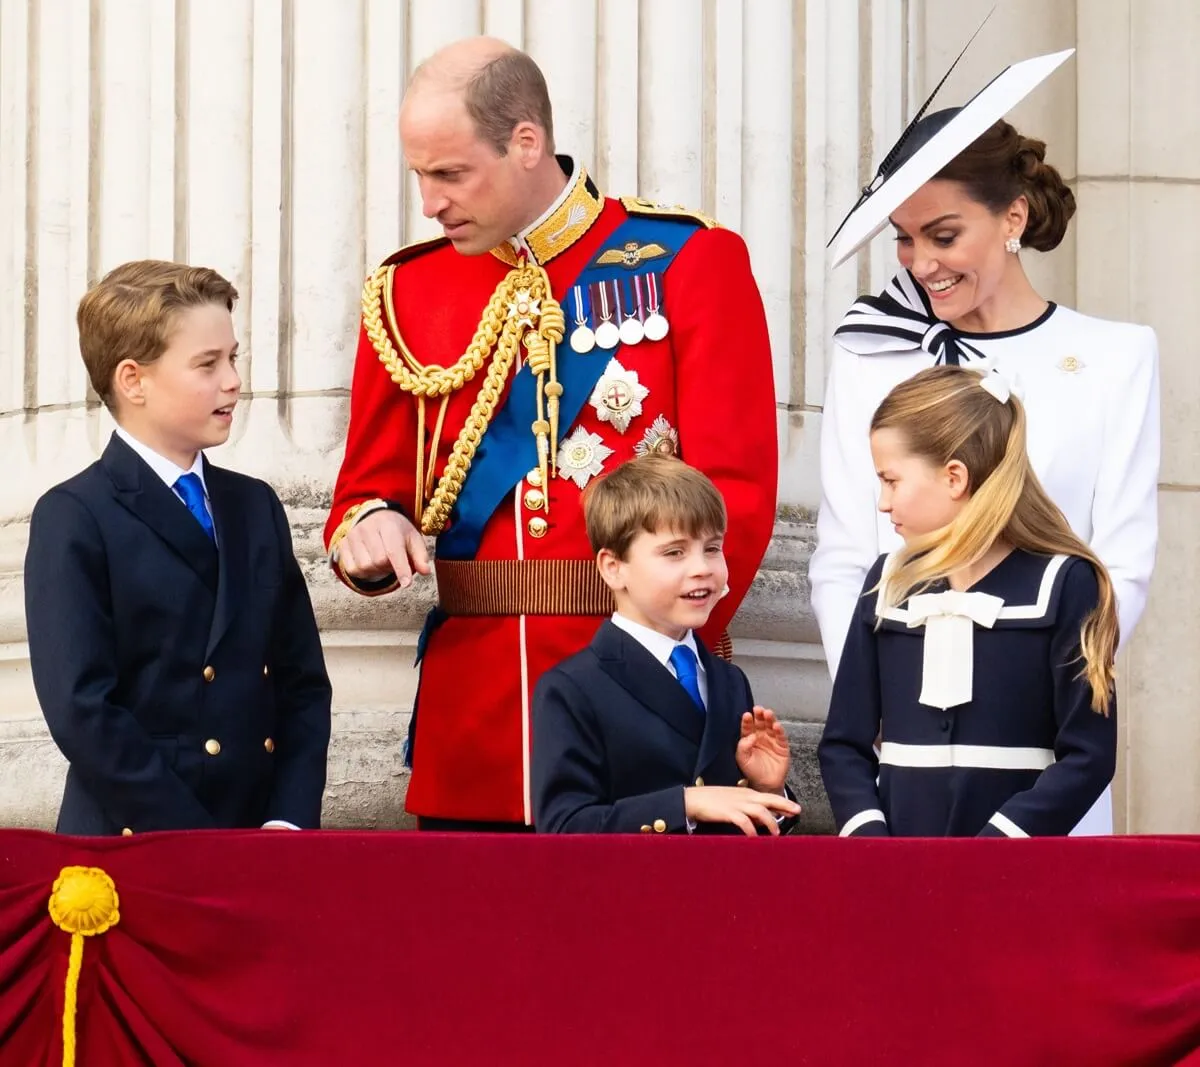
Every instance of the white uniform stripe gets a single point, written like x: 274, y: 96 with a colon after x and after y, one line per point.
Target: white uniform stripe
x: 861, y: 819
x: 986, y: 757
x: 526, y: 781
x: 1006, y: 826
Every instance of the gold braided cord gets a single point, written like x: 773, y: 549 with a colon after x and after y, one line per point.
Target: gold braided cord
x: 419, y: 492
x: 511, y: 311
x: 434, y: 444
x: 403, y: 367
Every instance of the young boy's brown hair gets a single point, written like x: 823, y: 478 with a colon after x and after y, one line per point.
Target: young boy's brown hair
x: 131, y: 312
x: 654, y: 493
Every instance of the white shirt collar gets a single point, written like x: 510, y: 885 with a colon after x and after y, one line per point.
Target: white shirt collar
x: 660, y: 646
x: 168, y: 470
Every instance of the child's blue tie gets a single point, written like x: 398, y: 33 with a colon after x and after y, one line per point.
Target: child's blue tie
x: 191, y: 492
x: 683, y: 659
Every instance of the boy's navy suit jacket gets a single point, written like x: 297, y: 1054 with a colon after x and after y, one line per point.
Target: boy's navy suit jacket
x: 616, y: 739
x: 184, y: 682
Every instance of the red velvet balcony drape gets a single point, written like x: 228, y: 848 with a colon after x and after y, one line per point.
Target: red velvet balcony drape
x: 349, y: 949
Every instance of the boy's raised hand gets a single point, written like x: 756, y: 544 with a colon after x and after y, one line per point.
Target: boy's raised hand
x: 762, y: 753
x: 734, y: 804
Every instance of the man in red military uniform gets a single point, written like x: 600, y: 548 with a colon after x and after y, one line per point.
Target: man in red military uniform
x: 551, y: 334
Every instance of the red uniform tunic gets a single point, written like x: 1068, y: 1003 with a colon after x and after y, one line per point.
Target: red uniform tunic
x: 710, y: 379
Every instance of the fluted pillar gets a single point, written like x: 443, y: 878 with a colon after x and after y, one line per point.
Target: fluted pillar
x: 259, y: 137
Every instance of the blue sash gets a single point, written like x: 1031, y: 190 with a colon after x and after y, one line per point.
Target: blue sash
x: 508, y: 450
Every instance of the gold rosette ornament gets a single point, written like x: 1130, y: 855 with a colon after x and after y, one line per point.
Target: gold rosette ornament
x: 83, y: 903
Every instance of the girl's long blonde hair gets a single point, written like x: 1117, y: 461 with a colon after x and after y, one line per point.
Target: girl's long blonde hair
x: 945, y: 414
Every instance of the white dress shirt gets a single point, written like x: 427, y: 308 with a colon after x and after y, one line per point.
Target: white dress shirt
x: 660, y: 646
x: 168, y: 470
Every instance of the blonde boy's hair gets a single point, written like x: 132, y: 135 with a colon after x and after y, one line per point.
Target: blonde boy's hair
x: 656, y: 492
x: 132, y: 312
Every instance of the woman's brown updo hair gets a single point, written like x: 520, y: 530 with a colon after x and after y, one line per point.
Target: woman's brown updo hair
x: 1000, y: 166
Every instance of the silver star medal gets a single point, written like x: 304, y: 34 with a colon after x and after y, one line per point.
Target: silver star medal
x: 581, y: 456
x: 618, y: 396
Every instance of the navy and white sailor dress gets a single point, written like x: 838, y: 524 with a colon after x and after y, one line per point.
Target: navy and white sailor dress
x: 986, y: 720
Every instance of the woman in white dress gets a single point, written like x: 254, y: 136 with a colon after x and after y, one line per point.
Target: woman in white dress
x: 965, y: 193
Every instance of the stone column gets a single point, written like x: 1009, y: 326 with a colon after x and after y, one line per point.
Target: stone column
x: 1139, y: 212
x: 260, y: 138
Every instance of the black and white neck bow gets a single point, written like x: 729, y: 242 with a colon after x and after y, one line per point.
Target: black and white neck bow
x: 901, y: 318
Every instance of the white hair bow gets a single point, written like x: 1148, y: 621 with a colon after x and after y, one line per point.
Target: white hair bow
x: 1001, y: 386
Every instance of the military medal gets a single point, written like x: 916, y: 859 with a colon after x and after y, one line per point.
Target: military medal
x: 656, y: 326
x: 607, y: 333
x: 631, y: 327
x: 581, y: 456
x: 662, y: 438
x: 618, y: 396
x: 525, y: 309
x: 582, y: 338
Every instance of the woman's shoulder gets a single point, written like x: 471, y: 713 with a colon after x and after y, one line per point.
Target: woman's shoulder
x: 1106, y: 337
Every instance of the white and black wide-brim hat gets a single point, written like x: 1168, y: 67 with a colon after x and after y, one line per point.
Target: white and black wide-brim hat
x: 931, y: 142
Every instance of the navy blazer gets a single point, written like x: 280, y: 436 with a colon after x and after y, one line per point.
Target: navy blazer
x: 185, y: 685
x: 617, y: 739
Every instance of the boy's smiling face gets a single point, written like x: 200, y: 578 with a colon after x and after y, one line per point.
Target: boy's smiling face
x: 668, y: 581
x: 183, y: 402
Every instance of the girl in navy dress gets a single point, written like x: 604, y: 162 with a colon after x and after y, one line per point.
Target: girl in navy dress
x: 982, y: 651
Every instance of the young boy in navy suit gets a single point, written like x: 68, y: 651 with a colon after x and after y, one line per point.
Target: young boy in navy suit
x: 645, y: 730
x: 173, y: 645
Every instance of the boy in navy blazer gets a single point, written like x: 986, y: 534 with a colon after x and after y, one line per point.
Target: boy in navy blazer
x: 645, y: 730
x: 173, y: 645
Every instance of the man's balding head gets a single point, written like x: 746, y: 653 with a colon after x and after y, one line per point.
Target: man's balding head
x: 476, y: 131
x: 500, y: 87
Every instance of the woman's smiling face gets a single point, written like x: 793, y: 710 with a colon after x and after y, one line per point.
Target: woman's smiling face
x: 954, y: 246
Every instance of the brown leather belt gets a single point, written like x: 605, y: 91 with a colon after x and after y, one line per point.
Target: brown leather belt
x: 522, y: 587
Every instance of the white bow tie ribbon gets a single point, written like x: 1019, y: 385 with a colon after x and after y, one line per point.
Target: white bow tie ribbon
x: 1002, y: 386
x: 950, y: 618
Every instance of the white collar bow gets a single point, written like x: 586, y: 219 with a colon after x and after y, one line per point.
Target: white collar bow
x: 950, y: 618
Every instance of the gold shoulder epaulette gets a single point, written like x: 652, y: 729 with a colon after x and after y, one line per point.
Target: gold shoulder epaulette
x: 411, y: 251
x: 639, y: 205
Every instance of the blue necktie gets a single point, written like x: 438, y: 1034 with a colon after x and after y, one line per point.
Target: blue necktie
x: 191, y: 492
x: 683, y: 659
